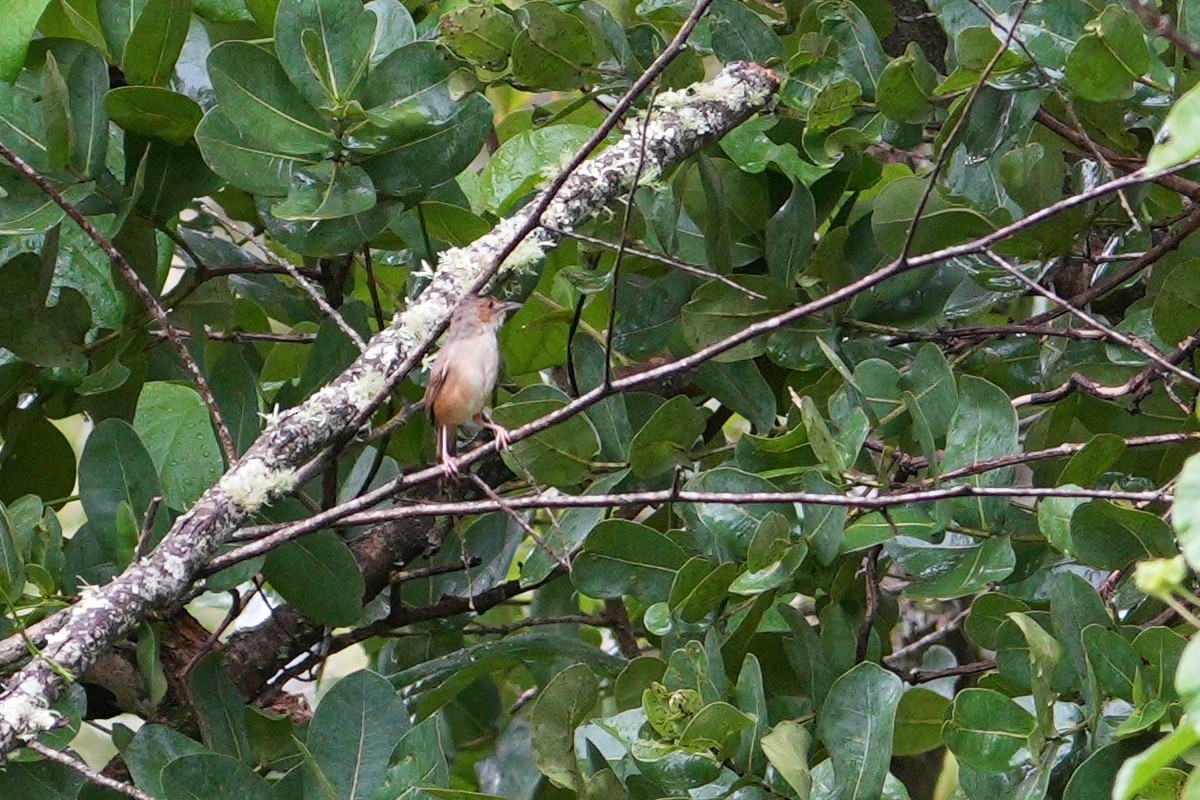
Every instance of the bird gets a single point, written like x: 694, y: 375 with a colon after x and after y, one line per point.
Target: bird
x: 464, y: 374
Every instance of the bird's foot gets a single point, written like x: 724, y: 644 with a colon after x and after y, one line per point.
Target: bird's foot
x: 503, y: 438
x: 450, y: 469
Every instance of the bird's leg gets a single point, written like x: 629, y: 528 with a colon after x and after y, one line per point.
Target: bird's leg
x: 449, y: 462
x: 484, y: 418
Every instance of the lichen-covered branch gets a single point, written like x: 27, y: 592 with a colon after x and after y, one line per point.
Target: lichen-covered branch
x: 682, y: 122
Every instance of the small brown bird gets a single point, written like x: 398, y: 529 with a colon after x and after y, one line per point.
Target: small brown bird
x: 464, y: 374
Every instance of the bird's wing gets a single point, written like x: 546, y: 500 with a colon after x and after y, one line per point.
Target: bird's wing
x: 437, y: 378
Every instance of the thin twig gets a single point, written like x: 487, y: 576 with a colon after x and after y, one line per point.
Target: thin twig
x: 1132, y: 342
x: 869, y: 563
x: 926, y: 675
x: 91, y: 775
x: 650, y: 255
x: 1161, y: 25
x: 319, y: 299
x: 934, y: 636
x: 948, y: 146
x: 521, y: 522
x: 248, y: 337
x: 626, y: 216
x: 532, y: 622
x: 465, y: 507
x: 117, y: 259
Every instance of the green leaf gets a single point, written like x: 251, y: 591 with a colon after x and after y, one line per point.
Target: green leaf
x: 44, y: 780
x: 984, y: 426
x: 988, y: 613
x: 834, y: 105
x: 12, y: 566
x: 553, y: 50
x: 1099, y: 455
x: 790, y: 234
x: 21, y: 18
x: 1176, y: 310
x: 1096, y: 775
x: 786, y: 747
x: 1109, y: 536
x: 856, y: 725
x: 717, y: 311
x: 481, y: 34
x: 410, y: 165
x: 740, y: 387
x: 738, y: 34
x: 1044, y: 655
x: 253, y: 90
x: 153, y: 111
x: 152, y: 747
x: 521, y: 162
x: 567, y: 533
x: 986, y: 729
x: 36, y: 459
x: 242, y: 160
x: 947, y: 571
x: 930, y: 380
x: 410, y: 90
x: 1178, y: 139
x: 666, y: 438
x: 1185, y: 515
x: 1139, y: 771
x: 1103, y: 65
x: 394, y: 28
x: 327, y: 238
x: 1161, y: 650
x: 945, y: 220
x: 220, y: 710
x: 318, y: 574
x: 74, y: 19
x: 329, y: 190
x: 561, y: 706
x: 155, y: 42
x: 716, y: 727
x: 175, y: 428
x: 727, y: 528
x: 1075, y: 605
x: 1114, y: 661
x: 919, y: 720
x: 351, y: 737
x: 210, y: 776
x: 874, y: 528
x: 906, y: 86
x: 699, y: 587
x: 621, y: 557
x: 422, y: 761
x: 560, y: 456
x: 325, y: 48
x: 115, y: 468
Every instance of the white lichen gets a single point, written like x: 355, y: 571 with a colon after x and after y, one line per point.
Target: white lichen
x: 29, y: 718
x: 253, y: 484
x: 527, y: 253
x: 271, y: 418
x: 366, y: 387
x: 175, y: 567
x: 419, y: 321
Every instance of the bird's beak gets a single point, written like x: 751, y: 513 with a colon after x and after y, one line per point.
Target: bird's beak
x: 509, y: 306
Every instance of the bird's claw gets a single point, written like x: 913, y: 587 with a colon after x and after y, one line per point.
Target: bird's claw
x: 503, y: 439
x: 450, y: 468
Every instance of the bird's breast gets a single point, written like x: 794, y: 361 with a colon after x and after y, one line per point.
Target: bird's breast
x: 470, y: 375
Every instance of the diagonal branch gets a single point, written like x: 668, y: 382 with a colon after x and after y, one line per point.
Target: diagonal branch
x: 684, y: 121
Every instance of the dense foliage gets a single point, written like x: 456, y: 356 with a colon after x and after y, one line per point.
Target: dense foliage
x: 957, y: 568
